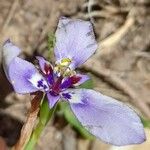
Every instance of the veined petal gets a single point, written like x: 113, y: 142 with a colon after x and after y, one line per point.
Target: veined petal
x: 24, y: 77
x: 74, y: 40
x: 9, y: 52
x: 106, y: 118
x: 52, y: 99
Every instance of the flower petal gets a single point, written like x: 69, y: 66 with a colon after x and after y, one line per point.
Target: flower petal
x: 52, y: 99
x: 74, y: 40
x: 106, y: 118
x: 9, y: 52
x: 24, y: 77
x: 22, y: 74
x: 47, y: 69
x: 45, y: 66
x: 83, y: 77
x: 74, y: 80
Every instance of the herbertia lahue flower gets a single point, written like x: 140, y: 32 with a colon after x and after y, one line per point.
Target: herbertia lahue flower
x: 103, y: 116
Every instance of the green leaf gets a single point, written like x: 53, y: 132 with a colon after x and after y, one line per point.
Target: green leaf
x: 45, y: 112
x: 70, y: 117
x: 51, y: 44
x: 51, y: 41
x: 87, y: 85
x: 146, y: 123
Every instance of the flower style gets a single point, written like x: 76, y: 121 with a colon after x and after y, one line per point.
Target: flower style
x: 103, y: 116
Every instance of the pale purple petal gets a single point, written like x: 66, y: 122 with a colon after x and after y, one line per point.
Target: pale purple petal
x: 106, y: 118
x: 75, y: 40
x: 9, y: 52
x: 52, y: 99
x: 24, y: 77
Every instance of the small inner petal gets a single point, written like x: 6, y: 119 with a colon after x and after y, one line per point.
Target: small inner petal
x: 48, y: 69
x: 75, y: 79
x: 70, y: 81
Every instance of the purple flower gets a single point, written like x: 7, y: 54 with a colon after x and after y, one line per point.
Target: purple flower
x: 103, y: 116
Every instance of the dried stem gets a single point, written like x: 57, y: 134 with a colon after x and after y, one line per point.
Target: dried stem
x: 104, y: 46
x: 30, y: 122
x: 45, y: 115
x: 114, y: 38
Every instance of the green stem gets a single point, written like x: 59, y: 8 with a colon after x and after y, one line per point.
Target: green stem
x: 45, y: 116
x: 34, y: 137
x: 45, y: 112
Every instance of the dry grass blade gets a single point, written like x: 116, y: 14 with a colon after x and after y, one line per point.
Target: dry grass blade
x: 10, y: 14
x: 30, y: 122
x: 114, y: 38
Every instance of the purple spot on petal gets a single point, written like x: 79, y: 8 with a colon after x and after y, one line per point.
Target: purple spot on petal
x: 45, y: 87
x: 66, y: 95
x: 40, y: 83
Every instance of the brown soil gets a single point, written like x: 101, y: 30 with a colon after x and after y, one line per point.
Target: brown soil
x: 120, y: 68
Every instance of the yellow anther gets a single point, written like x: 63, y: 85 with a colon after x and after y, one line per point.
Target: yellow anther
x: 65, y: 62
x: 69, y: 72
x: 57, y: 68
x: 63, y: 67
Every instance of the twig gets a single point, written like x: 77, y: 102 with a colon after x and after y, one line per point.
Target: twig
x: 86, y: 4
x: 115, y: 37
x: 142, y: 54
x: 99, y: 14
x: 89, y: 7
x: 104, y: 45
x: 143, y: 69
x: 30, y: 122
x: 49, y: 22
x: 10, y: 14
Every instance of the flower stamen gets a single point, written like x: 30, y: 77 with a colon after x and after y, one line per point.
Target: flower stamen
x: 62, y: 68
